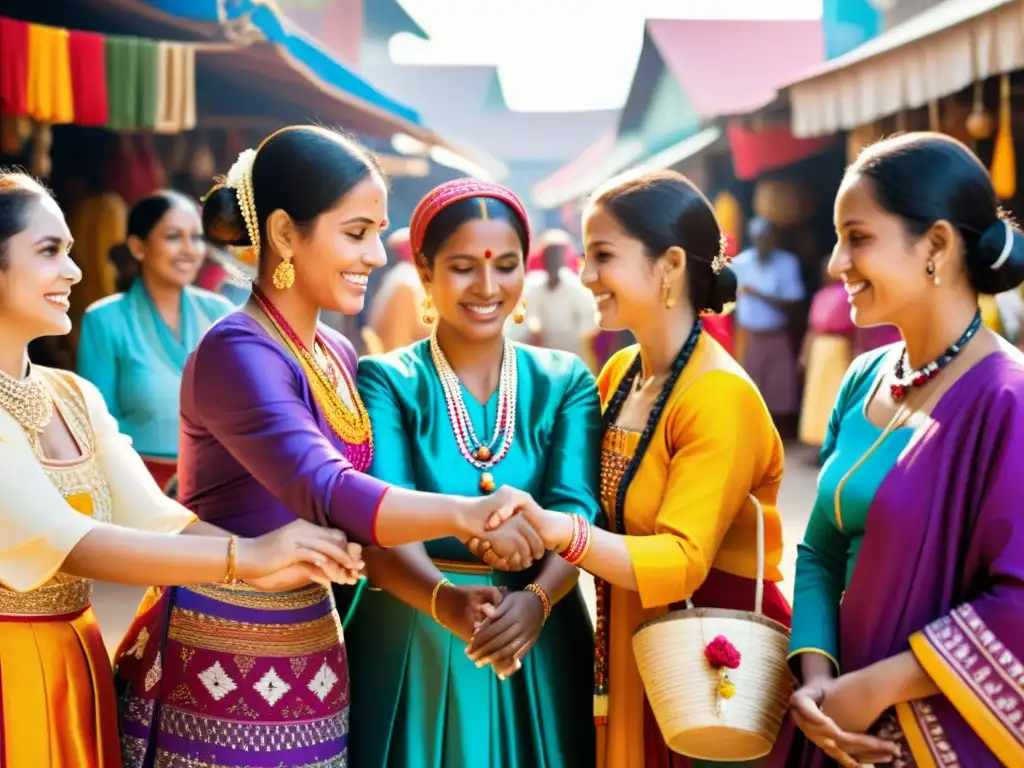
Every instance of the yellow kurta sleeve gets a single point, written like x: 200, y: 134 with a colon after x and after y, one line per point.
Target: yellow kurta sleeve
x: 38, y: 528
x: 138, y: 501
x: 720, y: 438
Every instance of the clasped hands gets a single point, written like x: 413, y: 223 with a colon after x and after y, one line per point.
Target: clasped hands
x: 508, y: 530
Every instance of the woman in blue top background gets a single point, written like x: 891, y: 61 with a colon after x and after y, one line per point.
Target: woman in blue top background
x: 133, y: 345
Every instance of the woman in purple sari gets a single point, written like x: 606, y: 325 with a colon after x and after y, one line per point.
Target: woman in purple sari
x: 273, y: 428
x: 908, y: 623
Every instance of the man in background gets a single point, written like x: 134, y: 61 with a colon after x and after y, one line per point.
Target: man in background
x: 560, y: 311
x: 771, y: 288
x: 396, y: 311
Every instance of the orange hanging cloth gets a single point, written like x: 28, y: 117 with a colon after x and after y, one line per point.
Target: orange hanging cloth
x: 89, y: 77
x: 13, y: 67
x: 49, y: 75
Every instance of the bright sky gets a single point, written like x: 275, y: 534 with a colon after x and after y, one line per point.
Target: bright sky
x: 562, y: 55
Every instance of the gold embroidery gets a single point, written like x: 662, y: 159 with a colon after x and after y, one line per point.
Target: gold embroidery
x: 459, y: 566
x: 226, y: 734
x: 616, y: 453
x: 298, y: 665
x: 236, y: 637
x: 245, y: 664
x: 52, y: 599
x: 240, y: 707
x: 186, y: 657
x: 139, y: 647
x: 167, y: 760
x: 245, y: 596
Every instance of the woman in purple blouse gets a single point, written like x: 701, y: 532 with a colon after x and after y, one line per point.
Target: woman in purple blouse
x: 273, y: 428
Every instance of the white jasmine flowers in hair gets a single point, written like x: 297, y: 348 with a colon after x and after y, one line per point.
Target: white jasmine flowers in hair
x: 242, y: 166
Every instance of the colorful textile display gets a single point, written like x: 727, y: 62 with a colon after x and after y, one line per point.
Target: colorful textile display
x: 56, y: 76
x: 89, y: 77
x: 48, y: 93
x: 13, y: 66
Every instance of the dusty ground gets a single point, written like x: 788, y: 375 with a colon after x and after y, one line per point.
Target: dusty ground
x: 115, y: 605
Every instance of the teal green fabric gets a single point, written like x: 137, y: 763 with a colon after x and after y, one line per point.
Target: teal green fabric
x: 828, y: 553
x: 135, y: 360
x: 417, y: 701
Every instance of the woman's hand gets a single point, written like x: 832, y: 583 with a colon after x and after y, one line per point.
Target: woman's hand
x: 462, y: 609
x: 850, y: 750
x: 300, y: 542
x: 513, y: 540
x: 554, y: 528
x: 508, y: 633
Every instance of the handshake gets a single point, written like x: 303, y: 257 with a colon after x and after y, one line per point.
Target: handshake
x: 508, y: 530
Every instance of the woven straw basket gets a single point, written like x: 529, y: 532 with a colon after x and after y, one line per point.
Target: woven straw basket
x: 683, y: 688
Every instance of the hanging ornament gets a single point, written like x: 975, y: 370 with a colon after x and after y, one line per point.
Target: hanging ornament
x: 979, y: 122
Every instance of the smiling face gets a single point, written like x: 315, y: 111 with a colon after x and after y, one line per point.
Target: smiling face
x: 881, y: 264
x: 476, y: 279
x: 625, y: 284
x: 173, y: 251
x: 334, y: 257
x: 35, y: 286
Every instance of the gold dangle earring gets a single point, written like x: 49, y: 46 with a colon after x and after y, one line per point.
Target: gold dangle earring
x: 666, y: 293
x: 429, y: 316
x: 930, y: 269
x: 284, y: 274
x: 520, y: 313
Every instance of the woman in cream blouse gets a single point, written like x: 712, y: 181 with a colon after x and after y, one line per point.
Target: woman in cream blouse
x: 77, y: 504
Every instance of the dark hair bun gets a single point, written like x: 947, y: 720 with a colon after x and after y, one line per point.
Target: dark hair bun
x: 223, y: 222
x: 723, y: 291
x: 980, y: 262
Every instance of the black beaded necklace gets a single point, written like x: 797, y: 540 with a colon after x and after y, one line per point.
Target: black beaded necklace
x: 906, y: 381
x: 611, y: 414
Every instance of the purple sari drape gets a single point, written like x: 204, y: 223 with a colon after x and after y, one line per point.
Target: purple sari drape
x: 941, y: 570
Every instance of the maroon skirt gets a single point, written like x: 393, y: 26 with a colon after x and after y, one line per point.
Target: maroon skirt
x: 723, y: 590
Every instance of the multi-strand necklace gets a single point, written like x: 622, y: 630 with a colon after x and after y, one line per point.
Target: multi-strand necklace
x: 905, y: 382
x: 29, y: 403
x: 483, y: 456
x: 350, y: 424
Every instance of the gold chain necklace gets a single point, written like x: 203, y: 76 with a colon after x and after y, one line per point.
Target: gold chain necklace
x: 28, y: 401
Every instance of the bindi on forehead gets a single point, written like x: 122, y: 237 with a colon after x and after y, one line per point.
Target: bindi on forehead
x: 488, y: 254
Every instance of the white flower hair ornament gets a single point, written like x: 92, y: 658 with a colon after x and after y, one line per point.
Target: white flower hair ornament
x: 239, y: 179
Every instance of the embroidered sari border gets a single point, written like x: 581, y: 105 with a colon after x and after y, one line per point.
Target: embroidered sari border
x: 955, y: 661
x: 236, y: 735
x: 916, y: 729
x: 253, y: 638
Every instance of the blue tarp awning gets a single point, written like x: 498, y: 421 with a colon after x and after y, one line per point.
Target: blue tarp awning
x: 302, y: 53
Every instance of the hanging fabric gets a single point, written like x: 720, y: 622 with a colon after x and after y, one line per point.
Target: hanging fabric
x: 13, y: 67
x: 89, y: 77
x: 49, y: 98
x: 177, y: 87
x: 122, y: 82
x: 149, y: 84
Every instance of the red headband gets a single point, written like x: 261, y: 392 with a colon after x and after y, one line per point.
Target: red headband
x: 450, y: 192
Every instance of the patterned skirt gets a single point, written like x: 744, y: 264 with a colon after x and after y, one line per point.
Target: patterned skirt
x: 228, y: 677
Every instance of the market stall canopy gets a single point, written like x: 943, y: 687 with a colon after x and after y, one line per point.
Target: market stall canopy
x: 254, y: 64
x: 733, y: 67
x: 937, y: 53
x: 580, y: 176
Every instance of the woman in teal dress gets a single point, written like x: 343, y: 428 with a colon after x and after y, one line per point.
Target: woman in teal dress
x: 133, y: 345
x: 528, y: 418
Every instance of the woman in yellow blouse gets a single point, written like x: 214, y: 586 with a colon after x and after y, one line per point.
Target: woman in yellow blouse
x: 688, y: 440
x: 71, y: 487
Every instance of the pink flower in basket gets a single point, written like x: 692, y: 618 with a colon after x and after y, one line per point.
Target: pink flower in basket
x: 720, y: 653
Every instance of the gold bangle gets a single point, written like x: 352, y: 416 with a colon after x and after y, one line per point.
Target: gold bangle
x: 433, y: 600
x: 542, y: 595
x: 229, y: 577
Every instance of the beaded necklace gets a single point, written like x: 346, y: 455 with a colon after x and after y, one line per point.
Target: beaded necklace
x: 905, y: 382
x: 28, y: 401
x: 483, y: 456
x: 351, y: 425
x: 611, y: 414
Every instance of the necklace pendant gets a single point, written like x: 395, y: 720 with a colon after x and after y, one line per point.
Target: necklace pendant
x: 487, y: 482
x: 483, y: 453
x: 898, y: 392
